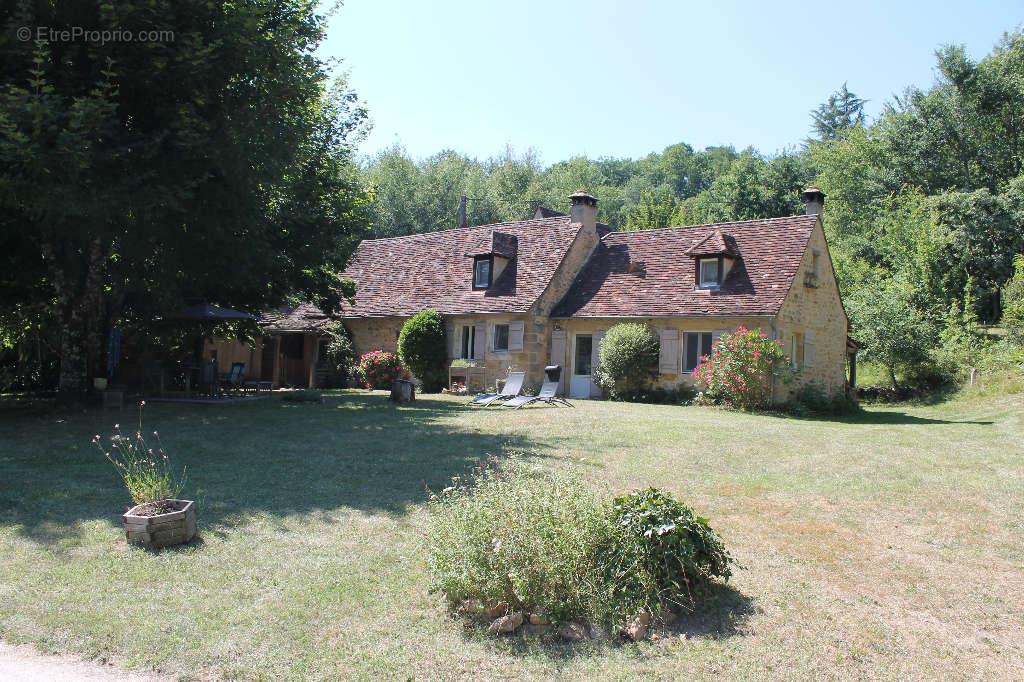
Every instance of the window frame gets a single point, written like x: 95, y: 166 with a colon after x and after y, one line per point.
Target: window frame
x: 698, y: 270
x: 494, y: 336
x: 685, y: 345
x: 467, y: 341
x: 490, y: 271
x: 794, y: 348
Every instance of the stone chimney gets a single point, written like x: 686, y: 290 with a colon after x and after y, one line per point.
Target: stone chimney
x: 584, y: 209
x: 815, y: 200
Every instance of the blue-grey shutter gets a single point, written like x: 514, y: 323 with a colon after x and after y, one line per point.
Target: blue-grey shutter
x: 558, y: 343
x: 595, y: 390
x: 480, y: 341
x: 668, y: 357
x: 515, y: 336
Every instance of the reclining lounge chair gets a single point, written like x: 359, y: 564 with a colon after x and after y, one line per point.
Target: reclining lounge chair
x: 548, y: 392
x: 513, y: 384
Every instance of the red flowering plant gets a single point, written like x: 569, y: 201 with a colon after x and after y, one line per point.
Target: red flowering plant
x: 739, y: 369
x: 379, y: 369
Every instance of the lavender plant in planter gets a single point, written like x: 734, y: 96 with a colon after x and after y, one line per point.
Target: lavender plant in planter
x: 159, y: 518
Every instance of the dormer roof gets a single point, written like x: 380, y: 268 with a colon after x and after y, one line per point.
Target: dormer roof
x: 496, y: 244
x: 715, y: 243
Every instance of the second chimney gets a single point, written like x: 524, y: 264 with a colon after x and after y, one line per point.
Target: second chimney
x: 584, y: 209
x: 815, y: 200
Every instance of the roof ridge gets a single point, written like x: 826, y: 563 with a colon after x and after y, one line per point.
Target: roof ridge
x: 713, y: 225
x: 553, y: 219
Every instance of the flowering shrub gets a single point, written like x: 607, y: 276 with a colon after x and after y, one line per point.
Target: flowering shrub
x: 379, y: 369
x: 145, y: 471
x: 739, y: 369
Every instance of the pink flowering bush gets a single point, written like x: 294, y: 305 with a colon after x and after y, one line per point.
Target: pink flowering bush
x: 739, y: 369
x: 379, y: 369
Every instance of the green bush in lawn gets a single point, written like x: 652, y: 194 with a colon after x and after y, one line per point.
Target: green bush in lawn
x: 545, y: 542
x: 508, y: 534
x: 627, y: 360
x: 661, y: 554
x: 423, y: 349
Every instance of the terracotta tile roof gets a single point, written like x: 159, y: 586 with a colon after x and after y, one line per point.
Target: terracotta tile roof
x: 758, y: 282
x: 306, y: 317
x: 401, y: 276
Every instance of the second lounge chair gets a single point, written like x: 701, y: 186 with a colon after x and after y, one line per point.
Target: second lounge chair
x: 513, y: 384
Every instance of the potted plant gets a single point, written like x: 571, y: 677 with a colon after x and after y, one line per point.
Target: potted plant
x: 159, y: 518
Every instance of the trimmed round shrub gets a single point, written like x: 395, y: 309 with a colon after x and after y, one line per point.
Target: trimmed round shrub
x: 739, y: 370
x: 662, y: 554
x: 379, y: 369
x: 627, y: 361
x: 423, y: 349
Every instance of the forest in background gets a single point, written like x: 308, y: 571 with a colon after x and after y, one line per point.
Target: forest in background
x: 924, y: 215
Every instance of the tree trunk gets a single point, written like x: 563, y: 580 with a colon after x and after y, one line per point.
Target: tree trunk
x: 892, y: 377
x: 80, y: 319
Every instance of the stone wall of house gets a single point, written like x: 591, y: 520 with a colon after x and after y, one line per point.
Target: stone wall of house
x: 374, y: 333
x: 664, y: 379
x: 813, y: 316
x: 495, y: 364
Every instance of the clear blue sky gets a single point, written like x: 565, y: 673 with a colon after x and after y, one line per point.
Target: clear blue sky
x: 624, y: 79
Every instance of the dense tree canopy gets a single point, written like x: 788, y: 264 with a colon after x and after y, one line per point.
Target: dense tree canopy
x: 207, y: 164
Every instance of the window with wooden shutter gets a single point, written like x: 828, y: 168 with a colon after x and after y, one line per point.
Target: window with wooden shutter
x: 668, y: 357
x: 515, y: 337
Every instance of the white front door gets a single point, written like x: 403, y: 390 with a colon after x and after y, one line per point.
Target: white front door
x: 579, y: 385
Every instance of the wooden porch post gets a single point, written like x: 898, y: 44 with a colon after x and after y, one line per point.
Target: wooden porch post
x: 314, y: 358
x: 277, y: 361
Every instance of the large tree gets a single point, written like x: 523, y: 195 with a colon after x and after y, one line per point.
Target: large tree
x: 207, y: 161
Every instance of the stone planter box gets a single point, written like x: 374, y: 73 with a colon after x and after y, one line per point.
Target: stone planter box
x: 163, y: 530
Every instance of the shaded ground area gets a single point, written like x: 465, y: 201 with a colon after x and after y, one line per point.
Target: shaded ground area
x: 884, y: 546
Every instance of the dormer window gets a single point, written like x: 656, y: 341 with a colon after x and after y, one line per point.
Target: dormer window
x: 482, y: 272
x: 709, y: 271
x: 713, y: 255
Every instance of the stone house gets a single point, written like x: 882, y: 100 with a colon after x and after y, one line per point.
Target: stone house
x: 543, y: 291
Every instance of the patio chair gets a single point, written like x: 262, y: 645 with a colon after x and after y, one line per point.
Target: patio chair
x: 513, y: 384
x: 548, y: 391
x: 235, y: 380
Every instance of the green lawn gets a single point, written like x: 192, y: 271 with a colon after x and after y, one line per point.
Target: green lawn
x: 889, y: 545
